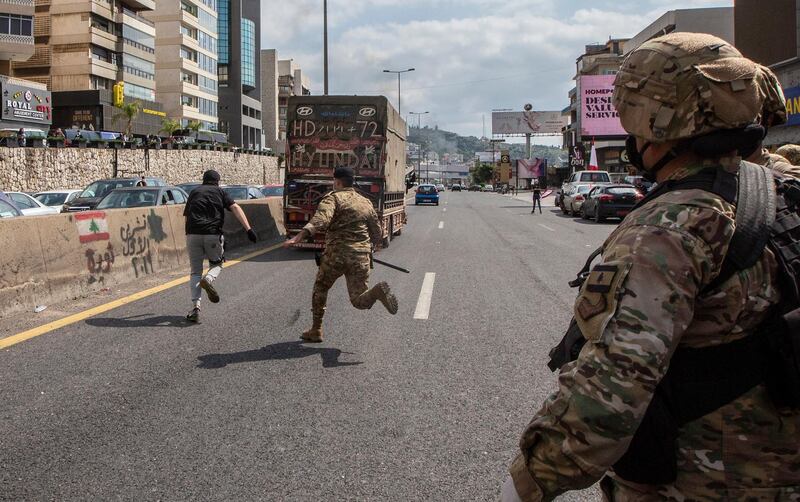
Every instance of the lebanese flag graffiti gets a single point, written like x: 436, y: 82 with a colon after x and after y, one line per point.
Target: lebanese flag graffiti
x: 92, y: 226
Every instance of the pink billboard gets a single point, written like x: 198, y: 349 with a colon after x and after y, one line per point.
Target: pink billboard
x: 533, y: 168
x: 598, y: 115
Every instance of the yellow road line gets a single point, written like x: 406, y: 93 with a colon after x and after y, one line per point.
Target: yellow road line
x: 80, y: 316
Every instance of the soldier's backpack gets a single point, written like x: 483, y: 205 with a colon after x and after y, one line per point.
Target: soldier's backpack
x: 699, y: 381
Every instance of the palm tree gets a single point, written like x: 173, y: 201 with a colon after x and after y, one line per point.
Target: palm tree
x: 194, y: 125
x: 169, y: 126
x: 129, y: 111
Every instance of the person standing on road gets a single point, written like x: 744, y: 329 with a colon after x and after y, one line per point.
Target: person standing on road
x: 351, y: 230
x: 537, y: 198
x: 654, y: 403
x: 205, y: 215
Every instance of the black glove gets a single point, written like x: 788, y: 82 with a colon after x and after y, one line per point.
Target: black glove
x: 251, y: 234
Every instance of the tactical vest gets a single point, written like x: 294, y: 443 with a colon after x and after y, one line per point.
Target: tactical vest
x: 702, y: 380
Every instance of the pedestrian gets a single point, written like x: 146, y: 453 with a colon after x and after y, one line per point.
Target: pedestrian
x: 671, y: 397
x: 537, y: 198
x: 205, y: 215
x: 351, y: 230
x: 142, y: 182
x: 21, y: 137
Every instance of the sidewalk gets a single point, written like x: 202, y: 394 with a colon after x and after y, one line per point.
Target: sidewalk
x: 528, y: 197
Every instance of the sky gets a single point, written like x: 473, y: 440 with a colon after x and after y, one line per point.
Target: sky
x: 470, y: 56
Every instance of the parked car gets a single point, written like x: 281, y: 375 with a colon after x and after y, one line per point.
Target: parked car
x: 573, y: 199
x: 440, y: 187
x: 243, y: 192
x: 188, y: 187
x: 487, y: 188
x: 582, y: 177
x: 639, y: 182
x: 272, y: 190
x: 94, y: 193
x: 121, y: 198
x: 7, y: 207
x: 456, y: 188
x: 57, y: 198
x: 610, y: 201
x: 29, y: 205
x: 474, y: 188
x: 426, y: 194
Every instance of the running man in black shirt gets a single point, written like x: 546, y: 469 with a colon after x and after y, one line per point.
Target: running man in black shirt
x: 205, y: 215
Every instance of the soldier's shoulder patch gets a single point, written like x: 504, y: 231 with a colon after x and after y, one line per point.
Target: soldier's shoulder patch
x: 599, y: 297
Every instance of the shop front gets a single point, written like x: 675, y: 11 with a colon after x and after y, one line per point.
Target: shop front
x: 27, y: 106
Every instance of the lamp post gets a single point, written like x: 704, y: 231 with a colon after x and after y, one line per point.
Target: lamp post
x: 398, y: 72
x: 325, y: 42
x: 494, y: 162
x: 419, y: 152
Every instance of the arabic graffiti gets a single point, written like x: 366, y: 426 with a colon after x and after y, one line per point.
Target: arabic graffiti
x: 136, y: 245
x: 99, y: 263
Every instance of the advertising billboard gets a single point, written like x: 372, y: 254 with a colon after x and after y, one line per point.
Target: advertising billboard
x: 792, y: 95
x: 598, y: 115
x: 531, y: 168
x: 487, y: 157
x: 528, y: 122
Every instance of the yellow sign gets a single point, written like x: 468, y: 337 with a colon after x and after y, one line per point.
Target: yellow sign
x: 119, y: 93
x: 153, y: 112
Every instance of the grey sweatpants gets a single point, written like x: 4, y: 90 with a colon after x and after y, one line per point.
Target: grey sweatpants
x: 202, y: 247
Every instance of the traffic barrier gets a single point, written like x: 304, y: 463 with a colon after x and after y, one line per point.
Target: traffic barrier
x: 53, y: 258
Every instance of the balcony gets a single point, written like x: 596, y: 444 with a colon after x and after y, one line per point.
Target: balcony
x: 42, y: 57
x: 135, y: 16
x: 140, y: 4
x: 41, y: 25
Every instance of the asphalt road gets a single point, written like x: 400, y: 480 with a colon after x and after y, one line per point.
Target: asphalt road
x: 136, y: 405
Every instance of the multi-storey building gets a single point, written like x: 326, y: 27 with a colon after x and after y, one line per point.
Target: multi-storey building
x: 85, y: 47
x: 280, y: 79
x: 16, y: 32
x: 239, y: 72
x: 187, y: 84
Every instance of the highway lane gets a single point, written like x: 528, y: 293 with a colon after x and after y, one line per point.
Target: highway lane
x: 134, y: 404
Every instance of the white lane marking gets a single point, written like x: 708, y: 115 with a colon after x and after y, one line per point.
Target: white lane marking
x: 444, y: 210
x: 546, y: 227
x: 425, y: 294
x: 441, y: 225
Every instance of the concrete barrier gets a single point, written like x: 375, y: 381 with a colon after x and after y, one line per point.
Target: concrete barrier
x: 53, y: 258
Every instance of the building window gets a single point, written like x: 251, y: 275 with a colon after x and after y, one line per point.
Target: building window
x: 248, y: 53
x: 139, y: 92
x: 207, y: 42
x: 138, y: 39
x: 207, y: 107
x: 11, y: 24
x: 208, y: 21
x: 188, y: 101
x: 207, y: 63
x: 223, y: 75
x: 101, y: 83
x: 189, y: 7
x: 211, y: 4
x: 189, y: 78
x: 189, y: 54
x: 189, y: 32
x: 209, y: 85
x: 138, y: 67
x: 223, y: 21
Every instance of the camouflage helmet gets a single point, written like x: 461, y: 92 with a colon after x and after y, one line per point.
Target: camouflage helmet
x: 774, y: 111
x: 684, y: 85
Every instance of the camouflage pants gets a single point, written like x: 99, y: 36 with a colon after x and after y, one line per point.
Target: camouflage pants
x: 355, y: 268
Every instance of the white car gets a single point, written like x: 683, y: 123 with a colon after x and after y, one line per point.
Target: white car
x: 56, y: 198
x: 30, y: 206
x: 440, y: 187
x: 487, y: 188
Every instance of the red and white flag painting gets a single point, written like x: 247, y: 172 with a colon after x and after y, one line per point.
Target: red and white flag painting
x: 92, y: 226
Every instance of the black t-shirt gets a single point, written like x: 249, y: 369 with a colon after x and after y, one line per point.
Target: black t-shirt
x: 537, y: 193
x: 204, y: 211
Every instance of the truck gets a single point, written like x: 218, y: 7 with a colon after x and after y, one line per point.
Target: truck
x: 361, y: 132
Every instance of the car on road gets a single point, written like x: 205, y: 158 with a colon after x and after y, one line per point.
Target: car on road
x: 573, y: 199
x: 7, y: 207
x: 474, y: 188
x: 272, y: 190
x: 243, y: 192
x: 583, y: 177
x: 610, y: 201
x: 57, y: 198
x: 188, y: 187
x: 455, y: 188
x: 426, y: 194
x: 487, y: 188
x: 94, y: 193
x: 122, y: 198
x: 29, y: 205
x: 440, y: 187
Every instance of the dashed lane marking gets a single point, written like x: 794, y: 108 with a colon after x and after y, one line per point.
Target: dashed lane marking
x: 423, y: 309
x: 444, y: 210
x: 546, y: 227
x: 441, y: 225
x: 80, y: 316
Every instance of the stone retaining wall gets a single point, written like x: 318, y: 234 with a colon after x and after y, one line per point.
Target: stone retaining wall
x: 36, y: 169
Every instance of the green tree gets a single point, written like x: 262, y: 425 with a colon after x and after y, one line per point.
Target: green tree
x: 194, y: 125
x: 169, y: 126
x: 482, y: 174
x: 93, y: 227
x: 129, y: 111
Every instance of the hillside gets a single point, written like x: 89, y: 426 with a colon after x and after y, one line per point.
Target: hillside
x: 441, y: 142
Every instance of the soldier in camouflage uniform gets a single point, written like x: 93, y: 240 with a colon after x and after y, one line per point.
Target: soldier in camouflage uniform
x: 351, y: 229
x: 644, y: 301
x: 791, y: 153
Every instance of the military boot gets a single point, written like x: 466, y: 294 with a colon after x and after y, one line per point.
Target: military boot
x: 384, y: 294
x: 314, y: 335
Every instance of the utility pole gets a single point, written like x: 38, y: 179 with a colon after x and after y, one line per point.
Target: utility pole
x: 325, y: 42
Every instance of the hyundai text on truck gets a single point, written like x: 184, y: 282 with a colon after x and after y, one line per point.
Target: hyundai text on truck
x: 361, y: 132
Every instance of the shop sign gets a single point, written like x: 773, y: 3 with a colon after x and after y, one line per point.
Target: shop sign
x: 792, y: 96
x: 21, y: 103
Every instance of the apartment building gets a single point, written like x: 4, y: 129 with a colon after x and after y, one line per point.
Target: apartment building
x: 186, y: 42
x: 82, y: 49
x: 280, y: 79
x: 16, y: 32
x: 239, y: 72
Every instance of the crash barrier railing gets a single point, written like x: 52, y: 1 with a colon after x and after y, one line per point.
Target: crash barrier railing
x: 53, y: 258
